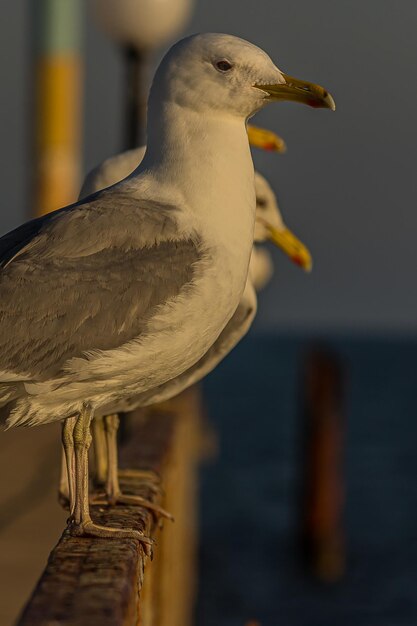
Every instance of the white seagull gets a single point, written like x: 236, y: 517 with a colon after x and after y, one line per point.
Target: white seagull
x: 115, y: 295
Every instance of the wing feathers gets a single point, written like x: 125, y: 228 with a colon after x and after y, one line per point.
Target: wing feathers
x: 87, y: 278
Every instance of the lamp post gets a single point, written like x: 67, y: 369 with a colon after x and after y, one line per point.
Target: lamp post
x: 138, y: 27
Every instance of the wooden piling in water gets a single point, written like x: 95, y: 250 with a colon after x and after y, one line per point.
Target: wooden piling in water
x: 323, y: 489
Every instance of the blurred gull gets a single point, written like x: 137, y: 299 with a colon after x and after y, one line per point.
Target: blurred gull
x: 115, y: 295
x: 269, y: 225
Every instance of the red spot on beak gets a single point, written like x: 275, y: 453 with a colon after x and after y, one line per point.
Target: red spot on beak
x: 298, y: 260
x: 269, y: 146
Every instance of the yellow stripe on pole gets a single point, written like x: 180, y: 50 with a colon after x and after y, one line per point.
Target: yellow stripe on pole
x: 57, y: 101
x: 58, y: 134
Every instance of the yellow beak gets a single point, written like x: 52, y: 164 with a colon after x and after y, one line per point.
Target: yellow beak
x: 291, y: 245
x: 299, y: 91
x: 265, y: 139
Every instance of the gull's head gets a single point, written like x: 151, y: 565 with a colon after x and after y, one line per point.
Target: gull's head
x: 269, y: 225
x: 213, y: 72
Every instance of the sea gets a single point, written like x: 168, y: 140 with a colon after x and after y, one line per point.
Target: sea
x: 251, y: 568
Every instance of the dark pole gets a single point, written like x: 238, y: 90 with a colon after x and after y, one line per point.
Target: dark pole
x: 135, y: 98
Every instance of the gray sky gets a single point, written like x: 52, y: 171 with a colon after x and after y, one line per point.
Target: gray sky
x: 347, y: 183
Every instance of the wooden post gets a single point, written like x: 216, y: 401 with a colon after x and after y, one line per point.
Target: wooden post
x: 322, y: 505
x: 57, y: 103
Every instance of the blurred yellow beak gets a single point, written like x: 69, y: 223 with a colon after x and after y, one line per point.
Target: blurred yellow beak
x: 291, y: 245
x: 299, y: 91
x: 265, y: 139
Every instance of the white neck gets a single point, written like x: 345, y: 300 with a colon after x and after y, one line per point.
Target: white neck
x: 203, y: 162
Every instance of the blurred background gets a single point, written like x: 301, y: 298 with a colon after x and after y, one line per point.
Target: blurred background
x: 346, y: 187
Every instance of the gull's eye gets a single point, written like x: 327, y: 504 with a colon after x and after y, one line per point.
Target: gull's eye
x: 223, y: 65
x: 261, y: 203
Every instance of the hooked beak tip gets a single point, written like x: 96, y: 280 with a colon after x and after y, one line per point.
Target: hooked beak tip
x: 299, y: 91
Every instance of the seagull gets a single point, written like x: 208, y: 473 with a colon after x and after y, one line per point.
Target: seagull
x: 117, y: 294
x: 109, y: 172
x: 269, y: 225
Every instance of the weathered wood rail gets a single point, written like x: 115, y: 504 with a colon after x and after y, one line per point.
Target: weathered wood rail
x: 111, y: 582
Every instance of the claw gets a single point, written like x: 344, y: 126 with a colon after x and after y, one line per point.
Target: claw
x: 89, y: 529
x: 121, y: 498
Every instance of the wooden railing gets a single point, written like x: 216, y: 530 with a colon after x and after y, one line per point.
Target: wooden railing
x: 111, y: 582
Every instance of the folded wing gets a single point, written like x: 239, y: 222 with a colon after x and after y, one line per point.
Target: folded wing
x: 87, y: 277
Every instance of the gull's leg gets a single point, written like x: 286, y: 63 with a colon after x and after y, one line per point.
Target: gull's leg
x: 153, y: 480
x: 114, y: 494
x: 111, y: 426
x: 100, y: 450
x: 67, y: 482
x: 63, y: 489
x: 81, y: 522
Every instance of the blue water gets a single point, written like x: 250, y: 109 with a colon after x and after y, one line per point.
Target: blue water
x: 249, y: 564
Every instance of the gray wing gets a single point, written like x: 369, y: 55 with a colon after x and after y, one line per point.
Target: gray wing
x: 87, y: 277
